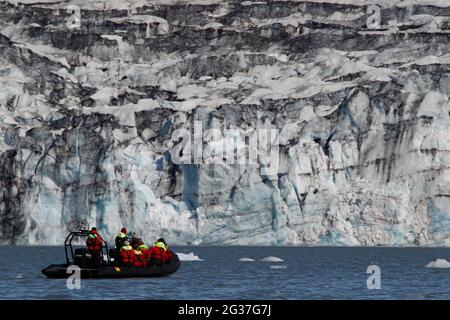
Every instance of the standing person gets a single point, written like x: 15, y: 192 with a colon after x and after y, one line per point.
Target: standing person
x: 121, y: 238
x: 94, y: 242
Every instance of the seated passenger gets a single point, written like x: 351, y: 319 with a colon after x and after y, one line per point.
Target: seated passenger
x: 139, y: 248
x: 159, y: 253
x: 126, y: 246
x: 140, y: 259
x: 126, y: 254
x: 142, y: 247
x: 138, y: 244
x: 161, y: 243
x: 132, y: 257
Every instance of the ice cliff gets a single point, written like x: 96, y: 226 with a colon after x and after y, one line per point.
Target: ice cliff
x: 89, y: 108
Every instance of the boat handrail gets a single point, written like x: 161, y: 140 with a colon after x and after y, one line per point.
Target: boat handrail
x: 82, y: 233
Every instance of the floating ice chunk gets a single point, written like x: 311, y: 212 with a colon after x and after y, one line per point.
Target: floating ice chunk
x: 439, y: 263
x: 272, y: 259
x: 278, y: 267
x: 246, y: 260
x: 188, y: 257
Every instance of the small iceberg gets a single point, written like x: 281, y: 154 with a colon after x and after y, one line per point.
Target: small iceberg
x: 278, y: 267
x: 246, y: 260
x: 272, y: 259
x: 439, y: 263
x: 188, y: 257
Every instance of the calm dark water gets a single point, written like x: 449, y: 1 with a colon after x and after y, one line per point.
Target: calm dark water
x: 306, y: 273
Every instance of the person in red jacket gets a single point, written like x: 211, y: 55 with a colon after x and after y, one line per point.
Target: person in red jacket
x: 159, y: 253
x: 94, y: 242
x: 126, y: 254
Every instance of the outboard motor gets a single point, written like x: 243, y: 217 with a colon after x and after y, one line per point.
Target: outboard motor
x: 87, y: 259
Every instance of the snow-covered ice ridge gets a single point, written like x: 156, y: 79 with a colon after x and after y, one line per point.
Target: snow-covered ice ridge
x: 87, y: 114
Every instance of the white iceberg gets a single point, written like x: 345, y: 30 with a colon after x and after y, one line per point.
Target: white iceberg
x: 439, y: 263
x: 246, y: 260
x: 278, y: 267
x: 188, y: 257
x: 272, y: 259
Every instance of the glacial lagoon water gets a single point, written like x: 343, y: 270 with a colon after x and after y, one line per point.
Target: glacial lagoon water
x: 239, y: 273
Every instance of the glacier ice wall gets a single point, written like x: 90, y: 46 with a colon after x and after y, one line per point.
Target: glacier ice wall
x: 88, y: 112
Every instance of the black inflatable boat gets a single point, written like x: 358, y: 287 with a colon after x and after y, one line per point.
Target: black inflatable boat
x: 103, y: 266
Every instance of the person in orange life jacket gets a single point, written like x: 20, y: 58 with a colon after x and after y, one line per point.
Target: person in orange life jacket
x: 121, y: 238
x: 94, y: 242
